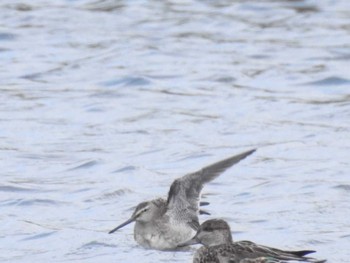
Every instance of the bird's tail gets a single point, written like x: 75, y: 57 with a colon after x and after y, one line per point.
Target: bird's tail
x: 300, y: 256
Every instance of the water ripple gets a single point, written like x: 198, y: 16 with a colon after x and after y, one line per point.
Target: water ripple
x: 128, y: 81
x: 344, y: 187
x: 8, y: 188
x: 96, y: 244
x: 7, y: 36
x: 330, y: 81
x: 125, y: 169
x: 32, y: 202
x: 38, y: 236
x: 110, y: 195
x: 85, y: 165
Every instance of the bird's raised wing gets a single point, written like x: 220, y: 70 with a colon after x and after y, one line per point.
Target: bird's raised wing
x: 184, y: 193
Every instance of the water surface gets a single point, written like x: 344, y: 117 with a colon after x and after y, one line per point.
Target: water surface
x: 104, y: 103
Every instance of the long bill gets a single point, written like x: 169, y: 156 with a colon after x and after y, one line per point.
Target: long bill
x: 130, y: 220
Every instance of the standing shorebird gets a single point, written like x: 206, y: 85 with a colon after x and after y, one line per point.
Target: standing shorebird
x: 215, y: 235
x: 163, y: 224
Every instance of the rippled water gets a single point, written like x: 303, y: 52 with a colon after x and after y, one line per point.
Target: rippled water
x: 104, y: 103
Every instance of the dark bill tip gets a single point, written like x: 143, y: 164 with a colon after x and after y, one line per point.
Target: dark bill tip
x: 122, y: 225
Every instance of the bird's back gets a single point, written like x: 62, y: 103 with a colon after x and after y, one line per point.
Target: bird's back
x: 249, y: 252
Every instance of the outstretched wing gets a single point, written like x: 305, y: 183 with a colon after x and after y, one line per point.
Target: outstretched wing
x: 184, y: 193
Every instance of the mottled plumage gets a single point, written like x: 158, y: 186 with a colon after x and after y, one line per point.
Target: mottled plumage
x: 163, y: 224
x: 218, y: 247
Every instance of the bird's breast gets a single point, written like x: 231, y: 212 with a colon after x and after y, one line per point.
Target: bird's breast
x: 162, y: 236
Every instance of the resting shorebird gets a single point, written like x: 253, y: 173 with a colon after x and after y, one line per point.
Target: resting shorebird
x: 215, y: 235
x: 163, y: 224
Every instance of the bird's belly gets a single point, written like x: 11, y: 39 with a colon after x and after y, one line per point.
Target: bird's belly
x: 162, y: 238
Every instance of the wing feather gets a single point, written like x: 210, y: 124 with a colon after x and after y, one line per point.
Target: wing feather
x: 184, y: 193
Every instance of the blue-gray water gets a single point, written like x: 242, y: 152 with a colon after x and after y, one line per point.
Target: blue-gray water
x: 105, y: 102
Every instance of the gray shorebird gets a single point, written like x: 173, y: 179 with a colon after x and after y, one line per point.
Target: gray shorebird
x: 215, y: 235
x: 162, y: 224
